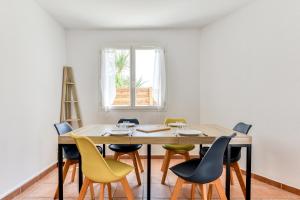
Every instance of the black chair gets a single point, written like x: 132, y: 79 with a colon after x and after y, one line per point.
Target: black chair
x: 71, y: 154
x: 235, y: 156
x: 203, y: 171
x: 129, y: 149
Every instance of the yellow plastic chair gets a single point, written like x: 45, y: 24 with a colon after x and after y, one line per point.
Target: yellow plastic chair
x: 97, y: 169
x: 173, y: 149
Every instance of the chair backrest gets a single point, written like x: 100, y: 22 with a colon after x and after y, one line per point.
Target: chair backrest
x: 242, y: 128
x: 174, y: 120
x: 211, y: 166
x: 133, y: 120
x: 94, y: 165
x: 63, y: 127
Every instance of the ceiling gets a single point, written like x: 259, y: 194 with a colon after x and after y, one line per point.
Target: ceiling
x: 138, y: 14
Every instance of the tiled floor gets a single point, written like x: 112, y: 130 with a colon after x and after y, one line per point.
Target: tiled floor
x: 44, y: 189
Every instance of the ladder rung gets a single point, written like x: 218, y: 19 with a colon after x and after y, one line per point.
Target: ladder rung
x: 69, y: 83
x: 72, y: 120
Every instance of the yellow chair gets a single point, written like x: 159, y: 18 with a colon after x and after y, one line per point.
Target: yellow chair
x: 97, y: 169
x: 173, y: 149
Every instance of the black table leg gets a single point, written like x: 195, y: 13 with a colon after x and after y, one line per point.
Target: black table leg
x: 79, y: 174
x: 228, y: 172
x: 60, y: 172
x: 103, y: 150
x: 248, y: 172
x: 148, y: 171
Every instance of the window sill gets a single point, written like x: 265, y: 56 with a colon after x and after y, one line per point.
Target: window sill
x: 137, y: 108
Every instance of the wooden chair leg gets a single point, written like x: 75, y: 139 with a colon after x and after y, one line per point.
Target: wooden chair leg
x: 109, y: 191
x: 73, y: 173
x: 177, y: 188
x: 231, y: 177
x: 102, y: 190
x: 65, y: 172
x: 138, y: 158
x: 116, y: 155
x: 163, y: 166
x: 220, y: 189
x: 210, y: 190
x: 186, y: 156
x: 127, y: 188
x: 193, y: 191
x: 136, y: 168
x: 168, y: 158
x: 92, y: 190
x: 203, y: 191
x: 84, y: 187
x: 239, y: 175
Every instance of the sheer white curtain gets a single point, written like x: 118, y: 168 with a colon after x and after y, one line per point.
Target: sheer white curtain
x: 107, y: 78
x: 159, y: 79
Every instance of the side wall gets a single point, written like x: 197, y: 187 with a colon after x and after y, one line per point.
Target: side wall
x: 249, y: 71
x: 32, y: 53
x: 182, y: 56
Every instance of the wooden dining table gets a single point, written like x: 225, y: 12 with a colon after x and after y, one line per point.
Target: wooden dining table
x: 209, y: 132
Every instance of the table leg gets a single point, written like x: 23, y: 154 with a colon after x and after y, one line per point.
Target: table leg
x: 148, y: 171
x: 248, y: 172
x: 79, y: 174
x: 200, y: 148
x: 228, y: 172
x: 60, y: 172
x: 103, y: 150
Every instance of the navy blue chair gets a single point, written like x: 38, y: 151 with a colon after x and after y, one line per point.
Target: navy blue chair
x: 129, y: 149
x: 71, y: 154
x: 235, y: 156
x: 201, y: 172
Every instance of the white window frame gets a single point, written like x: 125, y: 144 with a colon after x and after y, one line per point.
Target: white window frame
x: 132, y: 105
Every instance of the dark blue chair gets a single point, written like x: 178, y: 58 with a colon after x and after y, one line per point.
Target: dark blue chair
x: 71, y: 154
x: 235, y: 155
x: 129, y: 149
x: 204, y: 171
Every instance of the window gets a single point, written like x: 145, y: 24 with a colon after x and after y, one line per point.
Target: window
x: 132, y: 78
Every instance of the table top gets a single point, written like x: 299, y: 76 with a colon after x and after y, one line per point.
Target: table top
x: 211, y: 132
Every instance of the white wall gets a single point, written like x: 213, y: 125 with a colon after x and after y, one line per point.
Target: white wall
x: 32, y: 52
x: 249, y: 71
x: 182, y: 58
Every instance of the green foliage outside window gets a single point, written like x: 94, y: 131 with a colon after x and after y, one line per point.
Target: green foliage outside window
x: 121, y: 81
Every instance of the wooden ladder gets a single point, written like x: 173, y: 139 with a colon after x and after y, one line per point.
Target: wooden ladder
x: 70, y: 111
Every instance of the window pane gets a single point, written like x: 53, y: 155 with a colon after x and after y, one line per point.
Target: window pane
x: 144, y: 72
x: 122, y: 77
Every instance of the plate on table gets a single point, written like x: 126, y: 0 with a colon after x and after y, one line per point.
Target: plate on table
x: 126, y: 124
x: 177, y: 124
x: 118, y: 132
x: 189, y: 132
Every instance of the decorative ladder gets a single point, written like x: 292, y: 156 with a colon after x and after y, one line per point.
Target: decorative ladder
x: 70, y: 111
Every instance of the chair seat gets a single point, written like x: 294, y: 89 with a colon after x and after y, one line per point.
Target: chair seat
x: 235, y: 155
x: 179, y: 148
x: 71, y: 152
x: 119, y: 168
x: 126, y: 148
x: 185, y: 169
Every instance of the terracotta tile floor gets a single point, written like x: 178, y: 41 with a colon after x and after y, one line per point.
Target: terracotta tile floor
x: 44, y: 189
